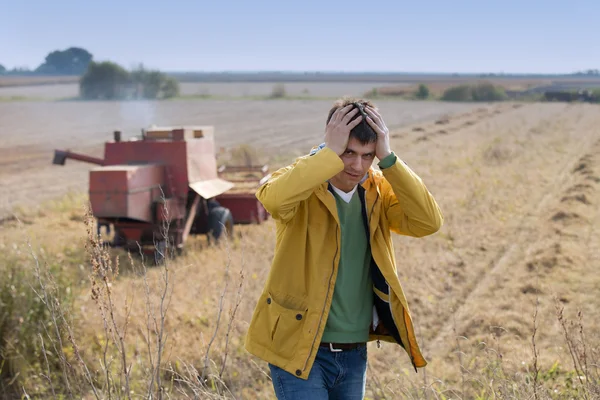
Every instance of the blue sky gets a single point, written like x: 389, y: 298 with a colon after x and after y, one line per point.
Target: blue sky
x: 418, y: 36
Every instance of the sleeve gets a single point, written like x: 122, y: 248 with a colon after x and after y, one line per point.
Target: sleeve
x: 409, y: 206
x: 289, y: 186
x: 388, y: 161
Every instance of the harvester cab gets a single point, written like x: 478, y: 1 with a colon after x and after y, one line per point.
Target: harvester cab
x: 157, y: 189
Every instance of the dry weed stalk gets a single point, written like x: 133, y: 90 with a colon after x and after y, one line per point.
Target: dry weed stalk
x: 48, y: 294
x: 48, y: 374
x: 155, y: 325
x: 102, y: 277
x: 220, y: 311
x: 459, y: 355
x: 232, y: 313
x: 536, y: 370
x: 572, y: 346
x: 204, y: 384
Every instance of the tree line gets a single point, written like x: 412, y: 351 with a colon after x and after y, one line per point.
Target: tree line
x: 103, y: 80
x: 71, y: 61
x: 109, y: 81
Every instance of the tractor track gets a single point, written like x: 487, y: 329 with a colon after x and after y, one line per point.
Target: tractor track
x: 526, y: 237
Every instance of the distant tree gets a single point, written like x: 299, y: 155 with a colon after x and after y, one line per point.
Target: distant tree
x: 105, y: 80
x: 153, y: 84
x: 2, y: 69
x: 486, y: 91
x: 72, y: 61
x: 457, y: 93
x: 110, y: 81
x: 20, y: 71
x: 170, y: 88
x: 422, y: 92
x: 483, y: 91
x: 278, y: 91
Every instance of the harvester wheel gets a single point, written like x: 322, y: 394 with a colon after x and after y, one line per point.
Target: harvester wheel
x: 220, y: 220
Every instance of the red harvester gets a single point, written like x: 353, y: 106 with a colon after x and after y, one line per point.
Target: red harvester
x: 168, y: 178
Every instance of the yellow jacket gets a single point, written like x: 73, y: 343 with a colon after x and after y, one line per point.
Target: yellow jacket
x: 291, y: 312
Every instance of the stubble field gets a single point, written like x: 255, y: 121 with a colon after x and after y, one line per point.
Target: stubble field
x: 519, y: 188
x: 30, y: 131
x: 66, y: 90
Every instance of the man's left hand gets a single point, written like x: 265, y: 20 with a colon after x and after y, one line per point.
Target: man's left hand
x: 383, y: 134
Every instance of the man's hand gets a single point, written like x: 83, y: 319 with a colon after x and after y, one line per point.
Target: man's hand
x: 338, y: 129
x: 382, y: 150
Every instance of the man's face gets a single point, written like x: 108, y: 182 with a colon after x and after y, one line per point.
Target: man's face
x: 357, y: 160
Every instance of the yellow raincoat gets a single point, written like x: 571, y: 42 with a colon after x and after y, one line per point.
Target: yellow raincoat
x: 291, y: 312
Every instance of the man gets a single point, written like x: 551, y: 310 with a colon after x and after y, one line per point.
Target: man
x: 333, y: 284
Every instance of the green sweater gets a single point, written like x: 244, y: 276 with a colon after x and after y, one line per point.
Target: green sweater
x: 352, y: 305
x: 350, y: 314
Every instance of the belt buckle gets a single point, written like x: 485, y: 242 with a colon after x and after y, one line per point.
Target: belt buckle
x: 334, y: 350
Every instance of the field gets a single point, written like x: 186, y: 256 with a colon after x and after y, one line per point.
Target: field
x: 519, y: 186
x: 306, y: 86
x: 30, y: 131
x: 205, y: 89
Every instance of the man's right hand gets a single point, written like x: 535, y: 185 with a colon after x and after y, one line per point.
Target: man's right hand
x: 338, y: 129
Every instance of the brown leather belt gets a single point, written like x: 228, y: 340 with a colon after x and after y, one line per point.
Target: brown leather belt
x: 342, y: 346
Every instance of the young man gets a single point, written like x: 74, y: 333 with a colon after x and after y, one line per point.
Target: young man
x: 333, y: 284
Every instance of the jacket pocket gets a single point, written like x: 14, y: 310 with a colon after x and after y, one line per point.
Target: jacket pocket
x: 284, y: 326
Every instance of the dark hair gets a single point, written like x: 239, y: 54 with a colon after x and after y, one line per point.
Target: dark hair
x: 363, y: 131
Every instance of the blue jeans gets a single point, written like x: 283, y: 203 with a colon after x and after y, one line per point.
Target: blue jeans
x: 334, y: 375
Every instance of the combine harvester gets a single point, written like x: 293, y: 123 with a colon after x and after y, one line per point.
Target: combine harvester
x: 168, y: 178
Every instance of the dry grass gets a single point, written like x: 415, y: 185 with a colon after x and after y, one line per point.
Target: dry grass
x: 514, y: 267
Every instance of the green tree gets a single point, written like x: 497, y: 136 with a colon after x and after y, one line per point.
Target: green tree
x: 170, y: 88
x: 72, y: 61
x: 457, y: 93
x: 422, y: 92
x: 2, y: 69
x: 105, y: 80
x: 110, y: 81
x: 153, y: 84
x: 486, y: 91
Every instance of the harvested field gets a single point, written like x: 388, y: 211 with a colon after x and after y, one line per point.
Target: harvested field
x: 40, y: 92
x: 14, y: 80
x: 29, y: 133
x: 293, y: 89
x: 519, y: 186
x: 70, y: 89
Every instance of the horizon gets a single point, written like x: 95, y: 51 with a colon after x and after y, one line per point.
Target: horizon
x: 486, y: 74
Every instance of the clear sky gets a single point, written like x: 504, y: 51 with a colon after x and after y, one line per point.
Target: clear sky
x: 508, y: 36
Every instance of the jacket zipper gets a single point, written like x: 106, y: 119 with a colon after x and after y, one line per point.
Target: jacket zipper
x: 407, y: 346
x: 324, y: 304
x: 389, y: 291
